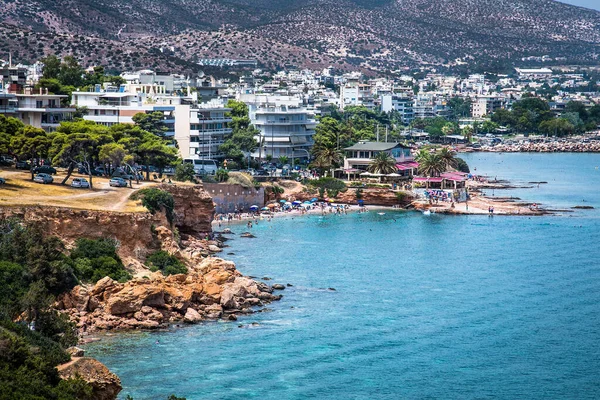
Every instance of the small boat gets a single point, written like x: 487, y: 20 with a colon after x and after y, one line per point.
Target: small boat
x: 380, y: 213
x: 426, y: 212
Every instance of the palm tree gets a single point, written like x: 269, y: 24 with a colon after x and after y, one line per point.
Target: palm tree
x: 449, y: 157
x: 382, y: 163
x: 421, y: 155
x: 327, y: 158
x: 432, y: 165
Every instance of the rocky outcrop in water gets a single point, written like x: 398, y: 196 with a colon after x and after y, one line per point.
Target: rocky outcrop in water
x: 212, y: 289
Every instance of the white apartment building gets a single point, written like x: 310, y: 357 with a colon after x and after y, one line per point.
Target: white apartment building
x: 198, y: 128
x: 484, y: 105
x: 403, y: 104
x: 286, y: 126
x: 41, y: 110
x: 354, y: 93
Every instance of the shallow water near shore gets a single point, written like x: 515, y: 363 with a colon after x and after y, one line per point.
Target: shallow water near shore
x: 438, y: 307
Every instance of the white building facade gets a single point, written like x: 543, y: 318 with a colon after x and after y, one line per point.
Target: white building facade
x: 286, y: 126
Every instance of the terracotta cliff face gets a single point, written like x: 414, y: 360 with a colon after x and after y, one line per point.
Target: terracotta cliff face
x: 194, y: 208
x: 370, y: 196
x: 212, y: 289
x: 135, y: 232
x: 132, y: 230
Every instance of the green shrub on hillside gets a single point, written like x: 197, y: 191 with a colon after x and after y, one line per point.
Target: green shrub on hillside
x: 95, y: 259
x: 155, y: 200
x: 332, y: 185
x: 166, y: 263
x: 185, y: 172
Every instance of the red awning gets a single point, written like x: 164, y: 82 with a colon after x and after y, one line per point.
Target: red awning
x: 454, y: 176
x: 435, y: 179
x: 407, y: 165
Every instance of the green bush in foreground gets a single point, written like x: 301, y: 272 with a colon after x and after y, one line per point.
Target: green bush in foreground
x: 27, y: 367
x: 166, y: 263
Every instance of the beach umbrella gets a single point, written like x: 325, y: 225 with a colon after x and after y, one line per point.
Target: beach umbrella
x: 287, y: 203
x: 282, y: 201
x: 254, y: 207
x: 296, y: 202
x: 265, y: 209
x: 314, y: 199
x: 272, y: 205
x: 307, y: 202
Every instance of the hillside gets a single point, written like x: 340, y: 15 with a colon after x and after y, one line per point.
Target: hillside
x: 349, y: 34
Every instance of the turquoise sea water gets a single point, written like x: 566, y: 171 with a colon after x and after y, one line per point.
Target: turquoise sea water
x: 424, y: 307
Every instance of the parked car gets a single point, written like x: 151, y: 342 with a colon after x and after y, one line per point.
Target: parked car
x: 6, y: 161
x: 118, y: 182
x: 43, y: 178
x: 80, y: 183
x: 45, y: 169
x: 2, y: 181
x: 84, y: 171
x: 23, y: 165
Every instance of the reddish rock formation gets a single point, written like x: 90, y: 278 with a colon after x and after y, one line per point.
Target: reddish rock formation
x: 105, y: 384
x: 212, y: 289
x: 370, y: 196
x: 194, y: 208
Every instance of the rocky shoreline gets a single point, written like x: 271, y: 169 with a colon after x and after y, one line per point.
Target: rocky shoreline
x: 213, y: 289
x: 545, y: 147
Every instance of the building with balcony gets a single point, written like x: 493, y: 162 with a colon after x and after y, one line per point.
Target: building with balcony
x: 200, y: 130
x: 485, y: 105
x: 403, y: 104
x: 41, y: 110
x: 286, y: 126
x: 359, y: 156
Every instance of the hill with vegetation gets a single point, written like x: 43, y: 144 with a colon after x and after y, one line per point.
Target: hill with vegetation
x: 349, y: 34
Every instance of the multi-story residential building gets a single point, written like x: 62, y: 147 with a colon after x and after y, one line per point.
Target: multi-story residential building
x: 403, y: 104
x: 286, y: 126
x: 484, y: 105
x: 198, y: 128
x: 354, y: 93
x: 13, y: 78
x: 41, y: 110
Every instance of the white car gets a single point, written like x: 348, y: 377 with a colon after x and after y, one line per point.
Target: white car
x: 43, y: 178
x: 80, y: 183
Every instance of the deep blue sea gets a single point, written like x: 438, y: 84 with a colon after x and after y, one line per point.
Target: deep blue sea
x: 439, y: 307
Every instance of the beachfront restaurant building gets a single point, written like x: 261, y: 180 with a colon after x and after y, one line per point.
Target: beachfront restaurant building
x: 359, y: 156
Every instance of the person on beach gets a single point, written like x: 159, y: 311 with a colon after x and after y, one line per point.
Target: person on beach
x: 466, y: 205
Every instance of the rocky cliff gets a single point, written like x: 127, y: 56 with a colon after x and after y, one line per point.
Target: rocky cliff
x: 194, y: 208
x: 105, y: 385
x: 135, y: 232
x: 212, y: 289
